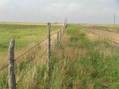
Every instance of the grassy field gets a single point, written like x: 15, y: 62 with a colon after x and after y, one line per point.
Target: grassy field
x: 88, y: 64
x: 78, y: 62
x: 24, y: 34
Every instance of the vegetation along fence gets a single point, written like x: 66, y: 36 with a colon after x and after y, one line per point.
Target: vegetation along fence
x: 40, y: 50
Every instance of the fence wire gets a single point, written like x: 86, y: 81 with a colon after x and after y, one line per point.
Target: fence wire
x: 37, y: 51
x: 32, y: 50
x: 53, y: 42
x: 28, y: 61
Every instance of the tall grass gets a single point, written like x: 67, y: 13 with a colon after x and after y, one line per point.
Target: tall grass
x: 77, y: 63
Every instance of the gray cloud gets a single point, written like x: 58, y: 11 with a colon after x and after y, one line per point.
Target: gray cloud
x: 83, y: 11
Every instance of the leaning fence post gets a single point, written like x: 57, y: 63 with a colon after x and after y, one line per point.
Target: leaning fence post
x: 11, y: 71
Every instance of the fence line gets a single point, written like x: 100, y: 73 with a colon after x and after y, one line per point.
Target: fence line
x: 52, y: 38
x: 25, y: 52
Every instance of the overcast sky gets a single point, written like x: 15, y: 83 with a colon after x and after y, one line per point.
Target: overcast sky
x: 80, y: 11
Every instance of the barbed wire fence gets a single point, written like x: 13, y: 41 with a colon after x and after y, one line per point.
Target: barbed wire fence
x: 39, y: 50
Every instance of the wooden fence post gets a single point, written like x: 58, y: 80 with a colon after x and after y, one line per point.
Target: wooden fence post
x: 49, y: 41
x: 61, y: 32
x: 58, y: 37
x: 65, y: 26
x: 11, y: 71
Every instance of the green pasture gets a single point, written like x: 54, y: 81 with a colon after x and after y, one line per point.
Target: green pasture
x: 25, y: 35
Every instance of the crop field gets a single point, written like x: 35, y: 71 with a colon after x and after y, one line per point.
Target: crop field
x: 87, y: 57
x: 25, y: 35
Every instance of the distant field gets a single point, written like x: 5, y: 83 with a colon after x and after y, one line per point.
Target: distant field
x: 24, y: 34
x: 103, y: 26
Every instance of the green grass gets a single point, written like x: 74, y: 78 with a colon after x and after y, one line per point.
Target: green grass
x: 24, y: 35
x: 92, y: 69
x: 77, y: 63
